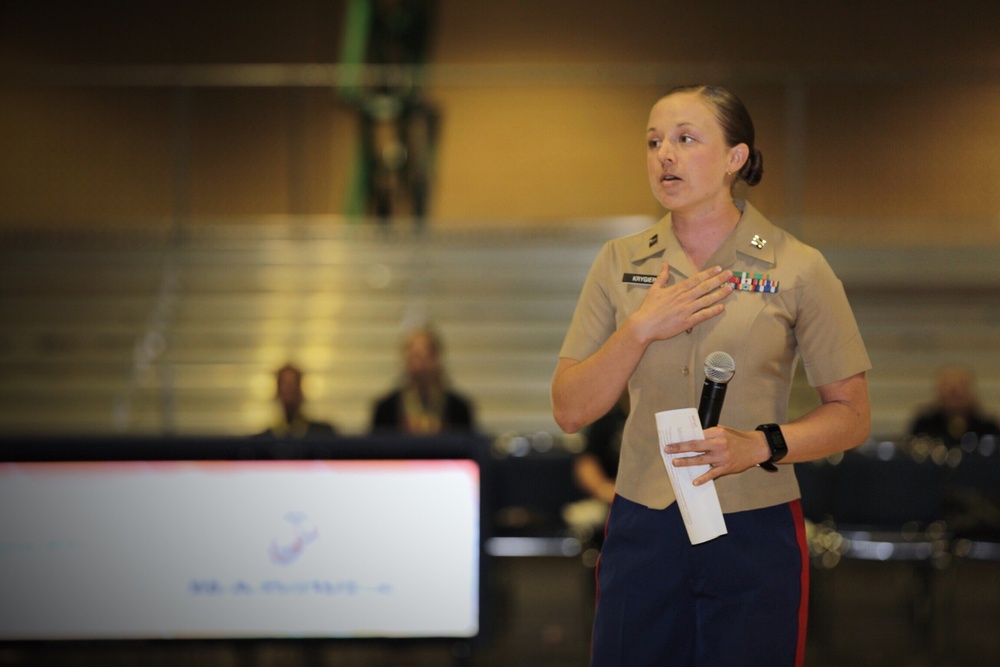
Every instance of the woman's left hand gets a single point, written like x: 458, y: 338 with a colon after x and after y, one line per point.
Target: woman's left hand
x: 725, y: 449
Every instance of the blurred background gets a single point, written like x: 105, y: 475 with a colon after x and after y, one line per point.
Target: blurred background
x: 194, y: 194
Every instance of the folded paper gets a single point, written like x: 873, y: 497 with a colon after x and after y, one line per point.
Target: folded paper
x: 699, y: 505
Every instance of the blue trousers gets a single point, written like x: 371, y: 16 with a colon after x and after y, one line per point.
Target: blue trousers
x: 738, y: 600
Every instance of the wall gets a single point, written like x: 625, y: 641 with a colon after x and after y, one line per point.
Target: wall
x: 77, y: 151
x: 878, y: 121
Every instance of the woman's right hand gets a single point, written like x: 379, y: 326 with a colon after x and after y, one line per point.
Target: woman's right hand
x: 667, y: 311
x: 584, y: 390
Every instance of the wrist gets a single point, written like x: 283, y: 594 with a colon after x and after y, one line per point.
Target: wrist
x: 762, y: 452
x: 775, y: 441
x: 636, y: 332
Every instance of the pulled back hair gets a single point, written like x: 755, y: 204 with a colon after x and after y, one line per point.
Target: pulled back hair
x: 737, y: 126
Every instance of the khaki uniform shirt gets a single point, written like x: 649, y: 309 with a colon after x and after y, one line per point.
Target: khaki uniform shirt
x: 808, y: 317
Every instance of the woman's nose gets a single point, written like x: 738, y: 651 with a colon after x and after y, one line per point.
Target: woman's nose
x: 665, y: 153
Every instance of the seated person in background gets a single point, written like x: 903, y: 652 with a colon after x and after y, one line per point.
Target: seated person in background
x: 955, y: 416
x: 595, y: 470
x: 424, y: 403
x: 291, y: 422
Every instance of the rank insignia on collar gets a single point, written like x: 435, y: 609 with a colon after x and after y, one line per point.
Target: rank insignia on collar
x: 757, y: 282
x: 653, y: 239
x: 758, y: 242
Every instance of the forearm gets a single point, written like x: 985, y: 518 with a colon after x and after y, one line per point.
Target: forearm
x: 583, y: 391
x: 841, y: 422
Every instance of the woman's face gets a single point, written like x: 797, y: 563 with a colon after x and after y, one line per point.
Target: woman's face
x: 686, y: 154
x: 421, y: 359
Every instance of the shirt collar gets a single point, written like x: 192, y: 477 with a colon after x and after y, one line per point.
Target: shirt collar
x: 754, y: 237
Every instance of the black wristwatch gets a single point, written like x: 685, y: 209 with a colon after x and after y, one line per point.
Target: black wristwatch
x: 776, y: 441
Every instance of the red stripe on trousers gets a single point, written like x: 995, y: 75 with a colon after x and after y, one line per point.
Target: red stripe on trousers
x: 800, y: 534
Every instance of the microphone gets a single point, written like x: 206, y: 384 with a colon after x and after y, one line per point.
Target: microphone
x: 719, y: 370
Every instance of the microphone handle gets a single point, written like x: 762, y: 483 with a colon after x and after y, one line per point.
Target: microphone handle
x: 712, y: 395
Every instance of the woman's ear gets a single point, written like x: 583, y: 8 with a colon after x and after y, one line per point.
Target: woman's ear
x: 738, y: 156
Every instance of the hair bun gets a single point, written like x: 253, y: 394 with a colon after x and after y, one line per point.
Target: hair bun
x: 753, y: 170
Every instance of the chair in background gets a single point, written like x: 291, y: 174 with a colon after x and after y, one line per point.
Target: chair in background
x: 888, y: 505
x: 972, y: 497
x: 972, y: 489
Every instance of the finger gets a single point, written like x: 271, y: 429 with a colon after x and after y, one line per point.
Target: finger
x: 714, y: 470
x: 713, y: 282
x: 707, y: 283
x: 706, y: 478
x: 697, y: 281
x: 713, y: 297
x: 685, y: 446
x: 711, y: 273
x: 715, y: 292
x: 663, y: 277
x: 705, y: 313
x: 710, y: 284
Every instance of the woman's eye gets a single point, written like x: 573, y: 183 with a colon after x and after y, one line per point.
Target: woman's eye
x: 653, y: 143
x: 686, y: 138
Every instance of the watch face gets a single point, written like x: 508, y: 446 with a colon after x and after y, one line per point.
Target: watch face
x: 775, y: 440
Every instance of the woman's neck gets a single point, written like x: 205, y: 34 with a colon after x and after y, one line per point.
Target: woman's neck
x: 700, y: 234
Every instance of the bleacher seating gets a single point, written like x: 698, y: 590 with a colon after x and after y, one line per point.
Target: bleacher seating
x: 140, y: 331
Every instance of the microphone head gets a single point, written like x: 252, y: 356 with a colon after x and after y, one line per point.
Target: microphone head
x: 719, y: 367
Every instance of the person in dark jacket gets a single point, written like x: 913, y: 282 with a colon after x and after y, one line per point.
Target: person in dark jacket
x: 955, y: 417
x: 424, y: 403
x: 292, y: 422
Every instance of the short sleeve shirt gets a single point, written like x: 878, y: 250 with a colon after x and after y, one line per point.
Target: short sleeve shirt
x: 788, y: 306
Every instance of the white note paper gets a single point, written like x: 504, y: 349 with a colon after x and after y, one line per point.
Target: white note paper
x: 699, y: 505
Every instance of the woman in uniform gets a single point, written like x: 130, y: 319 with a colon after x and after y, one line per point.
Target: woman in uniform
x: 713, y: 275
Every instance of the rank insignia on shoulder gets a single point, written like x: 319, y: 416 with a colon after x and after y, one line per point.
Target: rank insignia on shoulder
x: 743, y: 281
